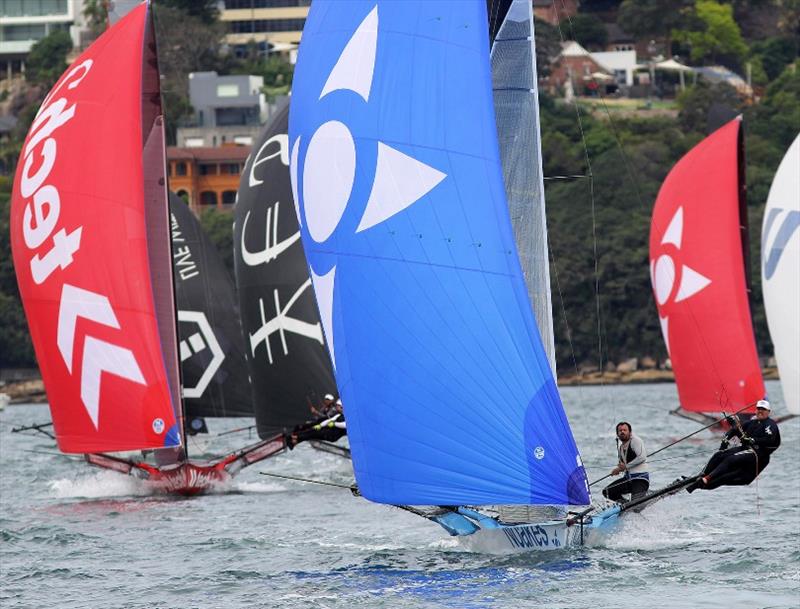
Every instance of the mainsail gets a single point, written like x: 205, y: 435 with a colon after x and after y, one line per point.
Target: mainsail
x: 449, y: 394
x: 516, y: 104
x: 90, y: 239
x: 286, y: 354
x: 780, y: 268
x: 698, y: 252
x: 214, y: 372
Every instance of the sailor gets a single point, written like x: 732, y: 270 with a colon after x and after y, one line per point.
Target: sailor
x: 740, y: 465
x: 327, y: 407
x: 329, y: 428
x: 632, y: 464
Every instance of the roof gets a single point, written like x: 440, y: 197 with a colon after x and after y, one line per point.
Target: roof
x: 200, y: 154
x: 570, y: 48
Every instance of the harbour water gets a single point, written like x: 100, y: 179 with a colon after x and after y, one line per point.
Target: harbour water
x: 75, y: 537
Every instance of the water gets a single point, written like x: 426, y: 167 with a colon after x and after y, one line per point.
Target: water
x: 72, y: 536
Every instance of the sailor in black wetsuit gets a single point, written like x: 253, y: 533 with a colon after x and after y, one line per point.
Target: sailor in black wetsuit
x: 328, y: 428
x: 740, y: 465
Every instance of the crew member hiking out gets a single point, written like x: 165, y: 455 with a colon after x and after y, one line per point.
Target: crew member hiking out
x: 740, y: 465
x: 632, y: 464
x: 327, y: 428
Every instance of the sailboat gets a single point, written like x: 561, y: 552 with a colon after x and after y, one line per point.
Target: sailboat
x: 90, y: 236
x: 698, y: 268
x: 780, y: 272
x: 285, y: 346
x: 449, y: 392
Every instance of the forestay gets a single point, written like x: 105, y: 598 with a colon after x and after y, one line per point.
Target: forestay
x: 516, y: 102
x: 90, y: 239
x: 780, y: 267
x: 449, y: 395
x: 286, y: 353
x: 698, y: 251
x: 214, y: 371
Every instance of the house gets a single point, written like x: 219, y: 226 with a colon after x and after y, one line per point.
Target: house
x: 621, y: 64
x: 228, y: 110
x: 206, y: 177
x: 579, y: 66
x: 24, y: 23
x: 274, y: 25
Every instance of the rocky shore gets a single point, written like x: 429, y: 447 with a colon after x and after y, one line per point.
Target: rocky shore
x: 32, y: 391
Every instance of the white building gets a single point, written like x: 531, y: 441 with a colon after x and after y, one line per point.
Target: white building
x: 25, y: 22
x: 622, y: 64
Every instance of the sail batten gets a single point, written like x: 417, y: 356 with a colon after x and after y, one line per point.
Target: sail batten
x: 448, y: 392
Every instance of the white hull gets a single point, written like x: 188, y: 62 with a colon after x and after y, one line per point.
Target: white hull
x: 539, y: 536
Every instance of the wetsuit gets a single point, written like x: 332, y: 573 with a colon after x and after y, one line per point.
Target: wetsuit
x: 636, y: 479
x: 328, y: 429
x: 740, y: 465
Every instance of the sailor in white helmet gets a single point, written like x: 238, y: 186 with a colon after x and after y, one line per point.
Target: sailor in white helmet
x: 741, y: 464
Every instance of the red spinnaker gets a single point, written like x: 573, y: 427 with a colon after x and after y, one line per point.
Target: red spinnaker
x: 698, y: 245
x: 89, y: 233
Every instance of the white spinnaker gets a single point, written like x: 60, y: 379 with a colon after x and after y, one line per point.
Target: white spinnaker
x: 516, y: 104
x: 780, y: 272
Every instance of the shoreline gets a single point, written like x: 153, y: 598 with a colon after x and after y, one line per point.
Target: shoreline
x: 32, y: 391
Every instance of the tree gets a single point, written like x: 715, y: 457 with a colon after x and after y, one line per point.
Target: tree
x: 696, y: 101
x: 775, y: 54
x: 185, y: 44
x: 218, y: 225
x: 548, y: 46
x: 651, y: 18
x: 96, y: 14
x: 48, y: 58
x: 712, y: 34
x: 588, y: 30
x: 206, y: 11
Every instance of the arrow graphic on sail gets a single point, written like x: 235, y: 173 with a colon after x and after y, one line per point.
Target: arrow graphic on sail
x: 98, y: 356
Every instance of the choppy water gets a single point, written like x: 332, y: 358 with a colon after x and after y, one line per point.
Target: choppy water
x: 71, y: 536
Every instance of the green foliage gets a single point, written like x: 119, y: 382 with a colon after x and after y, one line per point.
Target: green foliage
x: 712, y: 34
x: 218, y: 225
x: 48, y: 58
x: 774, y: 54
x: 206, y: 11
x: 695, y: 102
x: 588, y: 30
x: 650, y: 18
x: 15, y: 342
x: 96, y: 15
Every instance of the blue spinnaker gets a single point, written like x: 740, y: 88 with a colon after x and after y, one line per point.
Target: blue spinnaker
x: 448, y: 393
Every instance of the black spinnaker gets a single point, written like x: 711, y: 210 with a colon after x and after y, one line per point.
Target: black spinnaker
x: 286, y: 352
x: 215, y: 375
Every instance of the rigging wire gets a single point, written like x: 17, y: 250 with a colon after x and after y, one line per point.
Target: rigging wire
x: 686, y: 437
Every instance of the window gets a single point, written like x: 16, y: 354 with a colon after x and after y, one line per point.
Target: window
x: 234, y: 4
x: 33, y: 8
x: 228, y: 90
x: 193, y: 142
x: 208, y: 169
x: 229, y: 197
x: 267, y: 25
x: 208, y: 197
x: 180, y: 169
x: 230, y: 168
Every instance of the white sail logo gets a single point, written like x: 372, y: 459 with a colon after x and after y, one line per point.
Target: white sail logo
x: 197, y: 343
x: 282, y: 323
x: 330, y: 167
x: 663, y: 272
x: 272, y: 247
